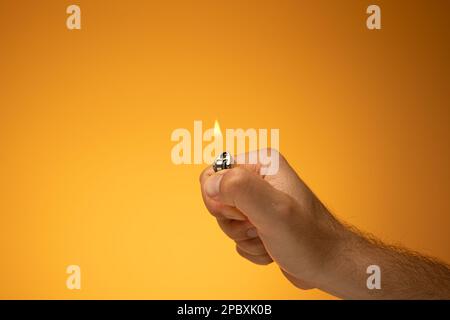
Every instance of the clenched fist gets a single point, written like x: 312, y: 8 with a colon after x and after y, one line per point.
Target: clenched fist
x: 278, y: 218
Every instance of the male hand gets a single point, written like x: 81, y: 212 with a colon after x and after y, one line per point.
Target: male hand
x: 278, y: 218
x: 273, y: 218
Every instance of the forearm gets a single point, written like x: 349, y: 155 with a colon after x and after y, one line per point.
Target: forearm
x: 404, y: 274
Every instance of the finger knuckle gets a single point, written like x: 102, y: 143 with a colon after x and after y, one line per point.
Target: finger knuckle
x: 285, y: 207
x: 273, y: 153
x: 236, y: 230
x: 237, y: 178
x: 256, y: 259
x: 206, y: 172
x: 240, y: 234
x: 252, y: 246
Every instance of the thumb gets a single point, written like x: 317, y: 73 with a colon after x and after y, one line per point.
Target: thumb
x: 263, y: 205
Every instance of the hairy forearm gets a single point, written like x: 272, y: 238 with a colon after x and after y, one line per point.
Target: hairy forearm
x: 404, y: 274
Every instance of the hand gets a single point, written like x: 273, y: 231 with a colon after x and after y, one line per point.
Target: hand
x: 278, y: 218
x: 274, y: 218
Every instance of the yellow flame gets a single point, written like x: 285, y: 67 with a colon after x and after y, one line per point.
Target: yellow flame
x: 217, y: 131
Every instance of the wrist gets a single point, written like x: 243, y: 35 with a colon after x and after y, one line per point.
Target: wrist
x: 336, y: 239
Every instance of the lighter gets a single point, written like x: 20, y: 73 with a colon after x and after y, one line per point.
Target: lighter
x: 223, y: 161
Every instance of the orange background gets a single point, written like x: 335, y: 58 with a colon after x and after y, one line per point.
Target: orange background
x: 86, y: 117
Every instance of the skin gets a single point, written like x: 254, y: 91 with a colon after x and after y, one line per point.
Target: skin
x: 277, y: 218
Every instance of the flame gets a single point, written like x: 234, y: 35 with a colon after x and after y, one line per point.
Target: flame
x: 217, y: 131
